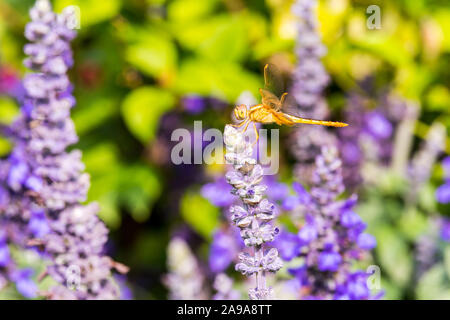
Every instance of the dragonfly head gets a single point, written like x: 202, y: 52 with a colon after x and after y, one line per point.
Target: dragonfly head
x: 240, y: 112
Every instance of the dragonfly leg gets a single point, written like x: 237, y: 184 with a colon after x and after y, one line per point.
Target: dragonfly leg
x: 246, y: 126
x: 283, y: 97
x: 256, y: 134
x: 240, y: 124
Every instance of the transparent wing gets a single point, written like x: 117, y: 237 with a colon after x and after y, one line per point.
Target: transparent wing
x: 270, y: 100
x: 273, y: 80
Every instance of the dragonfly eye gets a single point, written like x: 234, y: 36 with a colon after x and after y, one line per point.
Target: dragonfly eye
x: 240, y: 112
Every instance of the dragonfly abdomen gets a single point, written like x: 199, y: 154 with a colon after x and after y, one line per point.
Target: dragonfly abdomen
x: 317, y: 122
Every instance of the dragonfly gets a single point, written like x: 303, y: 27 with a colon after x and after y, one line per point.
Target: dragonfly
x: 270, y: 110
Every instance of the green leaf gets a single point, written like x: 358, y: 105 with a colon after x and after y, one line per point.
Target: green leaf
x: 438, y: 98
x: 412, y: 223
x: 394, y: 255
x: 137, y: 195
x: 142, y: 108
x: 447, y: 260
x: 153, y: 53
x: 5, y: 146
x: 188, y: 10
x: 8, y: 110
x: 228, y: 43
x: 91, y: 11
x: 433, y: 285
x: 224, y: 80
x: 95, y: 113
x: 199, y: 213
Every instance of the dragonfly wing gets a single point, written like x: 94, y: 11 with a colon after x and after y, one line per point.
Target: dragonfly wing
x: 270, y: 100
x: 273, y: 79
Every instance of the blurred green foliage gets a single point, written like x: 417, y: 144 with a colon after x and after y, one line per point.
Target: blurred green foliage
x: 136, y: 58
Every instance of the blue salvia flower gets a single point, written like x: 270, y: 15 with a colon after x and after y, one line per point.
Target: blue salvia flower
x: 254, y: 215
x: 48, y: 180
x: 422, y: 163
x: 310, y: 77
x: 331, y: 238
x: 185, y: 280
x: 443, y: 192
x: 309, y: 81
x: 224, y: 288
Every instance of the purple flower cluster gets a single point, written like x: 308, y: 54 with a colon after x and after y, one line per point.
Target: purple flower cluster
x: 185, y: 280
x: 419, y: 170
x: 370, y: 137
x: 45, y: 184
x: 254, y: 215
x: 443, y: 192
x: 331, y: 238
x: 10, y: 83
x: 309, y: 81
x: 224, y: 287
x: 310, y: 77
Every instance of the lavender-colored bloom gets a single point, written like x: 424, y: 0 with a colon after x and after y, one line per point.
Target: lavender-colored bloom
x: 38, y: 224
x: 420, y: 168
x: 24, y: 284
x: 288, y: 245
x: 331, y: 237
x: 310, y: 77
x: 224, y: 287
x: 443, y: 192
x: 366, y: 241
x: 254, y: 215
x: 307, y: 233
x: 378, y: 125
x: 445, y: 229
x: 218, y: 193
x: 309, y: 81
x: 278, y: 190
x: 302, y: 198
x: 10, y: 84
x: 193, y: 104
x: 5, y: 256
x: 224, y: 250
x: 329, y: 261
x: 184, y: 280
x: 46, y: 183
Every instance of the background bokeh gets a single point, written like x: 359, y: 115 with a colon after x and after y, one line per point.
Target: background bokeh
x: 146, y: 67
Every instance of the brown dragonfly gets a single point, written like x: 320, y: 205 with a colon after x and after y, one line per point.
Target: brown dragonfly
x: 270, y: 110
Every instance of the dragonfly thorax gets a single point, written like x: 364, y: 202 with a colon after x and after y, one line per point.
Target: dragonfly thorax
x: 240, y: 112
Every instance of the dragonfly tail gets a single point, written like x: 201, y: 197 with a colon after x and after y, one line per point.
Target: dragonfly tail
x: 318, y: 122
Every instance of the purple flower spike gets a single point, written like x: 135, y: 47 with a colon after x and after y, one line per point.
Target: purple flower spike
x: 331, y: 237
x: 254, y: 216
x: 366, y: 241
x: 45, y: 184
x: 307, y: 234
x: 329, y: 261
x: 194, y: 104
x: 24, y: 284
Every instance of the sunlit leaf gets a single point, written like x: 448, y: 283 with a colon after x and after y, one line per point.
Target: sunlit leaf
x: 188, y: 10
x: 153, y: 53
x: 91, y: 11
x: 142, y: 108
x: 433, y: 284
x: 199, y: 213
x: 8, y: 110
x: 394, y: 255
